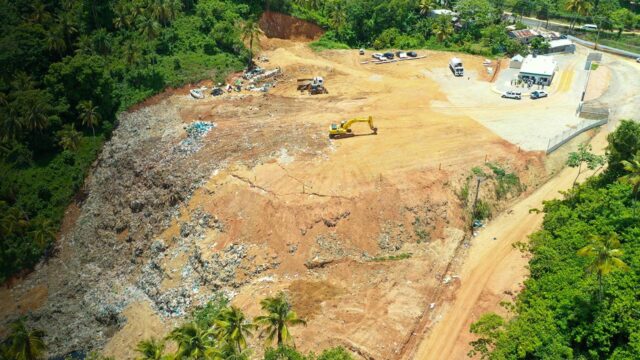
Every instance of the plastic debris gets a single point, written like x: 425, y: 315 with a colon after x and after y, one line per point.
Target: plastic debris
x: 195, y: 132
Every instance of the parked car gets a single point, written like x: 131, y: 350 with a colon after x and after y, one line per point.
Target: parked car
x: 638, y: 60
x: 361, y: 51
x: 539, y: 94
x: 378, y: 56
x: 590, y: 27
x: 512, y: 95
x: 412, y: 54
x: 389, y: 55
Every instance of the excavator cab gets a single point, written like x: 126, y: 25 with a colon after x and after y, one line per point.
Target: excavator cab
x: 344, y: 129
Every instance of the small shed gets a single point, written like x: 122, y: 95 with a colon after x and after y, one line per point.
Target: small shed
x: 561, y: 46
x: 516, y: 62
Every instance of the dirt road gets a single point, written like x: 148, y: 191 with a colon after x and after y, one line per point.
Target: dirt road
x: 485, y: 280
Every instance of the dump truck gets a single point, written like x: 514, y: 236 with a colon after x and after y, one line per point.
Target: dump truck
x: 342, y: 130
x: 456, y: 67
x: 313, y: 86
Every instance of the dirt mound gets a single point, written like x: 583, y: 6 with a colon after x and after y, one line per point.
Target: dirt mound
x: 277, y: 25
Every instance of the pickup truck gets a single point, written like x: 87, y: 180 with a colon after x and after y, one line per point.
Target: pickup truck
x: 538, y: 94
x: 516, y: 95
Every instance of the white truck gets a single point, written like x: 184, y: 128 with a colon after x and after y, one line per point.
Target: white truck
x: 456, y: 67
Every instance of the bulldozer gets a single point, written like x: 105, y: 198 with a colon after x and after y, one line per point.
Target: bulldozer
x: 313, y: 86
x: 343, y: 130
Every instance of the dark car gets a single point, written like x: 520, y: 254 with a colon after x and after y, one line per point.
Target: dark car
x: 412, y: 54
x: 388, y: 55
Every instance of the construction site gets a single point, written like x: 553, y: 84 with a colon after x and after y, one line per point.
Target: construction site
x: 348, y: 185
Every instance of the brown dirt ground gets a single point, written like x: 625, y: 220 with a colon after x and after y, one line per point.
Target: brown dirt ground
x: 343, y: 193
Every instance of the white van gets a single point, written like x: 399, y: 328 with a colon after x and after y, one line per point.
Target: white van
x: 590, y: 27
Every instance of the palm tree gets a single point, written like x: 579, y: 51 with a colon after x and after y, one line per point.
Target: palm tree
x: 279, y: 317
x: 25, y: 344
x: 250, y: 31
x: 633, y: 178
x: 10, y: 124
x: 579, y: 7
x: 55, y: 40
x: 425, y: 6
x: 149, y: 28
x: 84, y: 45
x: 36, y: 117
x: 43, y: 231
x: 89, y: 114
x: 606, y: 255
x: 194, y: 342
x: 69, y: 137
x: 102, y: 41
x: 22, y: 81
x: 150, y: 349
x: 234, y: 328
x: 131, y: 53
x: 121, y: 18
x: 39, y: 13
x: 67, y: 25
x: 442, y: 28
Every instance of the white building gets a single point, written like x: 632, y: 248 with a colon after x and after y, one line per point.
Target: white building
x: 538, y: 69
x: 516, y: 62
x: 561, y: 45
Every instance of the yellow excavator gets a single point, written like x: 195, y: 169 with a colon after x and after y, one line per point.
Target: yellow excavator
x: 343, y: 130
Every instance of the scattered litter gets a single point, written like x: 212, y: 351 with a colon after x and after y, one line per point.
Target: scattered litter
x: 447, y: 279
x: 477, y: 224
x: 284, y: 157
x: 432, y: 306
x: 197, y: 93
x: 195, y: 132
x: 263, y: 59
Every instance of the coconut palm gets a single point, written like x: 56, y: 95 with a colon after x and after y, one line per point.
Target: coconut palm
x: 10, y: 124
x: 194, y: 342
x: 605, y: 254
x: 578, y: 7
x: 25, y: 344
x: 43, y: 231
x: 39, y: 13
x: 121, y: 19
x: 89, y: 114
x: 149, y: 28
x: 69, y: 137
x: 36, y: 117
x: 633, y: 176
x: 250, y: 31
x: 442, y: 28
x: 55, y: 40
x: 151, y: 349
x: 278, y: 318
x: 234, y: 328
x: 131, y: 53
x: 425, y: 6
x: 84, y: 45
x: 22, y: 81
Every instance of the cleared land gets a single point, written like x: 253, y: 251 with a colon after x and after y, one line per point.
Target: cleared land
x: 289, y: 209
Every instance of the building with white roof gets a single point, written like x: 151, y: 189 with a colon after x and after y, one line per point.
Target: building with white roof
x: 538, y: 69
x: 561, y: 45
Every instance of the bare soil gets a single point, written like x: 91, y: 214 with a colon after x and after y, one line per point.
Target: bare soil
x: 313, y: 212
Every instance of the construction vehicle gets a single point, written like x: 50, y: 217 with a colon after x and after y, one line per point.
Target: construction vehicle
x: 343, y: 130
x: 313, y: 86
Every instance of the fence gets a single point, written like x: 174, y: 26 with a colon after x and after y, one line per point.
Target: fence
x: 561, y: 139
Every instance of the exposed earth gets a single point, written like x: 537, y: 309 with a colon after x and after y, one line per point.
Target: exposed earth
x: 264, y: 202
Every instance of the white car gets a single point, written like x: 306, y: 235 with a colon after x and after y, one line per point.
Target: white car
x: 538, y: 94
x: 638, y: 60
x: 512, y: 95
x: 378, y: 56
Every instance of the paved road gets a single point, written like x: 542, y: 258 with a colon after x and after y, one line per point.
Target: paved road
x: 623, y: 95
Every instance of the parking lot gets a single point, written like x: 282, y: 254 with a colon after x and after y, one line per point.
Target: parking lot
x: 527, y: 123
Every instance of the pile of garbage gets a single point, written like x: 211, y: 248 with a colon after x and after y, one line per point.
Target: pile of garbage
x: 195, y: 132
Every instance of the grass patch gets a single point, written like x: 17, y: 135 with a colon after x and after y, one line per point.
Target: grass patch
x: 594, y: 66
x: 401, y: 256
x: 325, y: 43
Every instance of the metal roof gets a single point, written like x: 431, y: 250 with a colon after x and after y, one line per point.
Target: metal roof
x: 539, y: 65
x: 559, y: 43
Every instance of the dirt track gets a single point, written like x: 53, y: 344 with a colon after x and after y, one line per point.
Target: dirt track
x: 494, y: 269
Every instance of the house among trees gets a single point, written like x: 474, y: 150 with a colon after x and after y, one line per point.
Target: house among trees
x: 524, y: 36
x: 561, y: 46
x: 538, y: 69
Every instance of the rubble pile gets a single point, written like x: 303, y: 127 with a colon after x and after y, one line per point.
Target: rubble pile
x: 195, y: 132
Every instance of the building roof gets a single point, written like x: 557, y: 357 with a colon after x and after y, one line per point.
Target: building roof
x: 559, y: 43
x: 524, y: 33
x: 517, y: 58
x: 443, y: 12
x: 539, y: 65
